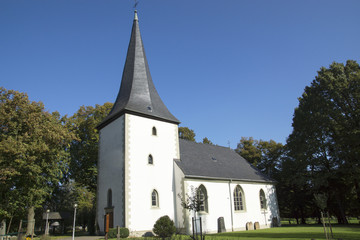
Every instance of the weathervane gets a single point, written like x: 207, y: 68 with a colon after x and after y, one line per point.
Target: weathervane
x: 136, y: 3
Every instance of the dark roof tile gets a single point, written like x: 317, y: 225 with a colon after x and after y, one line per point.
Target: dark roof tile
x: 137, y: 93
x: 209, y: 161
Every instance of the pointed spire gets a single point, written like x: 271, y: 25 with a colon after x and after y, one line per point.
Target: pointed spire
x: 136, y: 16
x: 137, y: 93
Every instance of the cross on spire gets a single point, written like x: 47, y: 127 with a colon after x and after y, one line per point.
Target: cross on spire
x: 136, y: 3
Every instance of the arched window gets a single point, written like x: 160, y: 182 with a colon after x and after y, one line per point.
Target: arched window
x: 202, y: 199
x: 262, y: 200
x: 109, y: 198
x: 154, y: 199
x: 150, y: 159
x: 239, y: 200
x: 154, y: 132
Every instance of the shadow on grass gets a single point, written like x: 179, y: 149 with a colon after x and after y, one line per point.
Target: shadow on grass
x: 346, y: 232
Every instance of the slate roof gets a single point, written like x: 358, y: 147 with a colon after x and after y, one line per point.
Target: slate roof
x: 199, y: 160
x: 137, y: 93
x: 57, y: 215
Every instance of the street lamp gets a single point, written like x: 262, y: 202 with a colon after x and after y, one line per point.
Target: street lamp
x: 75, y: 206
x: 47, y: 222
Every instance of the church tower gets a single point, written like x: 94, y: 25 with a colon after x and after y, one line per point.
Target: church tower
x: 138, y: 143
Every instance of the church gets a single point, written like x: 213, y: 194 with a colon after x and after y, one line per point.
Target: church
x: 144, y: 169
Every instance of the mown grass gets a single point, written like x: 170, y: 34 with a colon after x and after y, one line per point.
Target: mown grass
x: 286, y: 232
x: 298, y: 232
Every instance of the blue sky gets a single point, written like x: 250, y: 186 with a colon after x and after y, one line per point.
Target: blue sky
x: 226, y: 69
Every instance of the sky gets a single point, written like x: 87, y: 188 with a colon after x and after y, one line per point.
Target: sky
x: 226, y: 69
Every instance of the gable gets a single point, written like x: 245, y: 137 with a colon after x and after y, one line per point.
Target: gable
x: 199, y: 160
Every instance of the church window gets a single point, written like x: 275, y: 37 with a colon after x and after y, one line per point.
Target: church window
x: 154, y: 132
x: 202, y: 199
x: 262, y: 200
x: 239, y: 203
x: 109, y: 198
x: 154, y: 199
x: 150, y: 159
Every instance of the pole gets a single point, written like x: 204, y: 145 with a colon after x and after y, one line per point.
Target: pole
x: 73, y: 235
x: 324, y: 224
x: 47, y: 222
x: 231, y: 207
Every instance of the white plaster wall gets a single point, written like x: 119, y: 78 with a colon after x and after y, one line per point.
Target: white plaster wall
x: 143, y: 178
x: 111, y: 171
x: 220, y: 204
x: 180, y: 213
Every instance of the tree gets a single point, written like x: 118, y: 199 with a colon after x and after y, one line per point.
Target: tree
x: 84, y: 149
x: 271, y: 154
x: 207, y: 141
x: 265, y: 155
x: 186, y: 133
x: 248, y: 149
x: 326, y: 133
x: 164, y: 227
x: 193, y: 202
x: 84, y: 158
x: 33, y: 156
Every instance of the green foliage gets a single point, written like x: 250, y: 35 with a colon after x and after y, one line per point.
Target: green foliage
x: 207, y: 141
x: 324, y: 143
x: 84, y: 155
x: 33, y: 156
x: 248, y: 149
x: 265, y: 155
x: 164, y: 227
x: 187, y: 134
x: 124, y: 232
x: 84, y: 150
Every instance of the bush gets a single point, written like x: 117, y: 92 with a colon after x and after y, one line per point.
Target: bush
x: 124, y: 233
x: 164, y: 227
x: 45, y: 237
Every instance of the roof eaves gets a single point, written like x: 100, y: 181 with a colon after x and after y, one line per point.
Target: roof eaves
x: 229, y: 179
x: 123, y: 111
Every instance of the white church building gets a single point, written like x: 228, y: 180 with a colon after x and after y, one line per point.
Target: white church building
x: 144, y: 167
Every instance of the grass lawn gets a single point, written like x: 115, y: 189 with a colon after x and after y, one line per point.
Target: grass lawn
x: 286, y: 232
x: 293, y: 232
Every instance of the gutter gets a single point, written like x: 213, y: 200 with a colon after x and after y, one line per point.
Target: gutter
x: 229, y: 179
x: 231, y: 208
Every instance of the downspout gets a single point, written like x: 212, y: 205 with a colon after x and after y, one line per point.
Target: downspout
x: 231, y: 208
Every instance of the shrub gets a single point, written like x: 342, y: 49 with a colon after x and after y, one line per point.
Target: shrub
x: 45, y: 237
x: 164, y: 227
x: 124, y: 233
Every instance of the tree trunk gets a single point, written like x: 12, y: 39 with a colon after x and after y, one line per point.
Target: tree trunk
x: 341, y: 212
x: 357, y: 189
x: 303, y: 220
x: 30, y: 221
x: 2, y: 227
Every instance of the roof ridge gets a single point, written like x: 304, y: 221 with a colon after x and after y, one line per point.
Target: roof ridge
x: 213, y: 145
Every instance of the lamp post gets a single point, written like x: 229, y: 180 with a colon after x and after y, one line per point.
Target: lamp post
x: 47, y: 222
x: 73, y: 235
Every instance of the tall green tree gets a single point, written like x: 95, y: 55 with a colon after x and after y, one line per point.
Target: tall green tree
x: 265, y: 155
x: 33, y: 156
x: 84, y: 159
x: 248, y: 149
x: 84, y: 149
x: 187, y: 133
x: 326, y: 133
x: 271, y: 155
